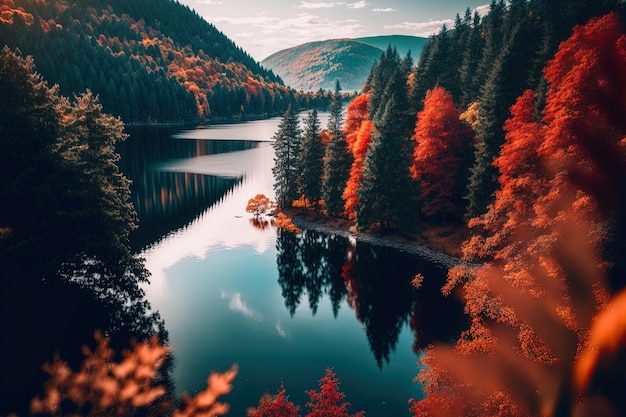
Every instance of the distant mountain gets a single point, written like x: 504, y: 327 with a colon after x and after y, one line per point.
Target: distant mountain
x: 148, y: 60
x: 317, y: 65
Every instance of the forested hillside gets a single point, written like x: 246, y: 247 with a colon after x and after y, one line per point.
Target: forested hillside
x: 317, y: 65
x: 147, y: 60
x: 511, y: 128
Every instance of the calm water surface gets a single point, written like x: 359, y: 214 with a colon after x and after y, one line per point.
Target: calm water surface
x: 283, y: 307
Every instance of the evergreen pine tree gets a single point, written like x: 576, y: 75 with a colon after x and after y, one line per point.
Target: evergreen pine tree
x: 29, y: 128
x: 387, y: 191
x: 441, y: 65
x: 507, y: 80
x: 468, y: 82
x: 287, y: 142
x: 382, y: 73
x: 492, y: 33
x: 312, y: 159
x: 337, y: 160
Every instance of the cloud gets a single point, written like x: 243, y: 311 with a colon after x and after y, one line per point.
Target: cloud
x: 209, y: 2
x: 357, y: 5
x: 259, y: 20
x: 319, y: 5
x: 424, y: 29
x: 236, y: 303
x: 482, y: 10
x: 388, y: 9
x: 429, y: 27
x: 262, y: 35
x: 281, y: 332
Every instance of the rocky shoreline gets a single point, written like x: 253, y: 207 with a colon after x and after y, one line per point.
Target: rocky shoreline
x: 432, y: 255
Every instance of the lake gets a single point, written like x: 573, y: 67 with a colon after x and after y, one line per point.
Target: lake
x: 283, y: 307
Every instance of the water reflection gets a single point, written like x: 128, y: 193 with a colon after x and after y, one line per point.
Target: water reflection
x: 221, y: 280
x: 376, y: 283
x: 168, y: 201
x: 168, y: 198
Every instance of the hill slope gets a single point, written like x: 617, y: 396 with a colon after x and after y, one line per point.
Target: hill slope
x: 148, y: 60
x: 316, y: 65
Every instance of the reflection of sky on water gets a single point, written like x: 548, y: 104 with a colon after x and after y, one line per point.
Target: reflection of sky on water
x: 263, y: 131
x: 230, y: 165
x: 225, y: 225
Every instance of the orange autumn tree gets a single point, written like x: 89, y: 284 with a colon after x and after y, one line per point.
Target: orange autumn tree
x: 260, y: 205
x: 356, y: 114
x: 358, y: 132
x: 546, y: 242
x: 437, y: 160
x: 359, y: 150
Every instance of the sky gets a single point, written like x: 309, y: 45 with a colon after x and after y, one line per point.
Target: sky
x: 262, y: 27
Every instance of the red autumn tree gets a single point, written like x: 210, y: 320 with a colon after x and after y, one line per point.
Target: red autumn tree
x: 437, y: 164
x: 276, y: 406
x: 359, y: 150
x: 327, y: 402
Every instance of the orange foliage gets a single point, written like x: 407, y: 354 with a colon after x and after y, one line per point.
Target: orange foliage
x: 356, y: 114
x: 325, y: 137
x: 260, y: 205
x: 533, y: 302
x: 205, y: 402
x: 100, y: 385
x: 105, y: 387
x: 45, y: 26
x: 436, y: 159
x: 8, y: 9
x: 358, y: 132
x: 284, y: 222
x: 359, y: 150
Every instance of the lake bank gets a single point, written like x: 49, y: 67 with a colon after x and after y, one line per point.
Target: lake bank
x: 439, y: 245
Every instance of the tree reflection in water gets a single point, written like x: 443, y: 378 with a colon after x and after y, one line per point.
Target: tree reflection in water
x: 375, y: 282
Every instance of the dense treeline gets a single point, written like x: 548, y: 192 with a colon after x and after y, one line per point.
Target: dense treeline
x: 512, y: 123
x: 474, y: 72
x: 147, y: 61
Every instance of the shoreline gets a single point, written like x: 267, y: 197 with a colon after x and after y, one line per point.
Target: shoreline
x: 402, y: 244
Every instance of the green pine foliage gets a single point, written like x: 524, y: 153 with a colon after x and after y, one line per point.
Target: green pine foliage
x: 63, y: 197
x: 387, y: 191
x: 312, y: 159
x: 287, y: 145
x: 337, y: 160
x: 471, y: 52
